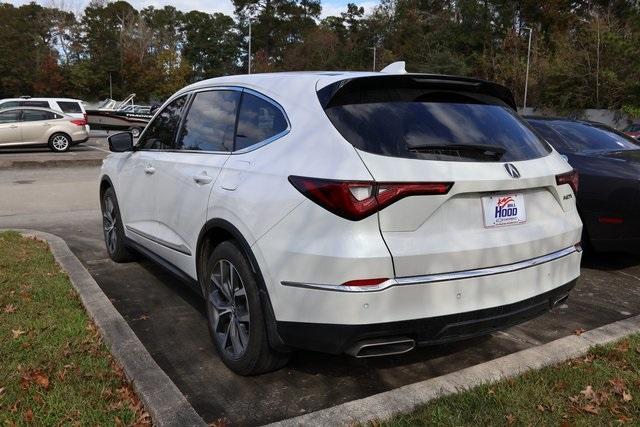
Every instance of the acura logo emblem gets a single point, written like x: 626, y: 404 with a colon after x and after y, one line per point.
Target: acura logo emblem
x: 512, y: 170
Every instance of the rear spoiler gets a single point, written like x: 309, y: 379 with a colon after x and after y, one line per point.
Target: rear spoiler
x: 339, y: 92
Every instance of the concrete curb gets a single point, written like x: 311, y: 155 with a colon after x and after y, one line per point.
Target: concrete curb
x: 160, y: 396
x: 405, y: 399
x: 49, y: 163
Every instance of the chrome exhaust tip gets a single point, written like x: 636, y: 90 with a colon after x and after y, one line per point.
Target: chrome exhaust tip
x: 381, y: 347
x: 560, y: 300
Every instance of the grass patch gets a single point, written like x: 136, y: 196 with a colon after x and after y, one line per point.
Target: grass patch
x: 54, y: 368
x: 601, y: 388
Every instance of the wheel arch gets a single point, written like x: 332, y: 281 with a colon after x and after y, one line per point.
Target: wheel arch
x: 218, y: 230
x: 105, y: 182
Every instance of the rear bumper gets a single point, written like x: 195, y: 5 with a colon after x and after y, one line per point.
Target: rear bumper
x: 80, y: 141
x: 337, y: 338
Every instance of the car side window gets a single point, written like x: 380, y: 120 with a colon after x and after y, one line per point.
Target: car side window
x: 37, y: 115
x: 39, y: 104
x: 161, y: 132
x: 258, y: 120
x: 70, y: 107
x: 210, y: 123
x: 11, y: 116
x: 8, y: 104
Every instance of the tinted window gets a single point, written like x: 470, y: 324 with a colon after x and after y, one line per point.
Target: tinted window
x: 70, y: 107
x: 9, y: 116
x: 35, y: 115
x: 210, y: 122
x: 39, y: 104
x: 585, y: 137
x: 9, y: 104
x: 434, y: 125
x: 550, y: 135
x: 160, y: 133
x: 258, y: 120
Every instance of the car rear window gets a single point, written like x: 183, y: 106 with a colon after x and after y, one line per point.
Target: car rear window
x: 588, y: 137
x: 70, y: 107
x: 434, y: 125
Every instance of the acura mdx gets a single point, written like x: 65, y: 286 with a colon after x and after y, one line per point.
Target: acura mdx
x: 346, y: 212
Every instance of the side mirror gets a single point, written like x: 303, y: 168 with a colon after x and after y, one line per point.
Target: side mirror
x: 153, y: 108
x: 121, y: 142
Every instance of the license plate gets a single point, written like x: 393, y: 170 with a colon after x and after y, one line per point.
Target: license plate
x: 504, y: 209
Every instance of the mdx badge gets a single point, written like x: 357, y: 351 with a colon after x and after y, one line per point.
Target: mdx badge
x: 512, y: 170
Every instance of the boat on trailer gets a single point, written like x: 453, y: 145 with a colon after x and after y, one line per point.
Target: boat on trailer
x: 124, y: 115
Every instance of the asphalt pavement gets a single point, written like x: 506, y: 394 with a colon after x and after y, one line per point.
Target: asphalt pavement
x: 170, y: 320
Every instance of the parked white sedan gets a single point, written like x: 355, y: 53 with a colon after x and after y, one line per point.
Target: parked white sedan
x: 31, y: 126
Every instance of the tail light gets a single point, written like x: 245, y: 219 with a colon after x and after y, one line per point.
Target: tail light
x: 79, y: 122
x: 570, y: 178
x: 356, y: 200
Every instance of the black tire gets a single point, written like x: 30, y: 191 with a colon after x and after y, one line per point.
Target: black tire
x: 255, y: 356
x: 59, y: 142
x: 113, y: 229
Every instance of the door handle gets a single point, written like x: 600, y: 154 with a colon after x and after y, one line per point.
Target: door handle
x: 13, y: 126
x: 46, y: 124
x: 202, y: 179
x: 149, y: 170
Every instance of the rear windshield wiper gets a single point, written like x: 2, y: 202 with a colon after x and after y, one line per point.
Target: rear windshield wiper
x: 492, y: 151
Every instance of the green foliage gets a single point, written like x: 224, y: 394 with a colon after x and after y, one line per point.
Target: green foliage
x: 583, y: 54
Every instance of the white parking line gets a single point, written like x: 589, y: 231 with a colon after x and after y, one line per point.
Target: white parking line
x: 97, y: 148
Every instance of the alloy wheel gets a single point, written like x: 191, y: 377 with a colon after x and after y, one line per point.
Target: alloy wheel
x: 109, y: 220
x: 60, y: 142
x: 229, y: 307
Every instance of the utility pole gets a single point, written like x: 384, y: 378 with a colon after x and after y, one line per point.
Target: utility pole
x: 249, y: 68
x: 598, y: 65
x: 374, y: 58
x: 526, y: 79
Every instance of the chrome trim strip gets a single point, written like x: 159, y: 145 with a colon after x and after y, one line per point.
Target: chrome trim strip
x: 442, y: 277
x: 178, y: 248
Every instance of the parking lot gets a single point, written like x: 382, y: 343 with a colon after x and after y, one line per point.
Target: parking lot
x: 170, y: 320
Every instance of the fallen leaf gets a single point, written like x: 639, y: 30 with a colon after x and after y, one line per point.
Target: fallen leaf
x: 623, y: 347
x: 28, y: 415
x: 588, y: 392
x: 540, y: 408
x: 9, y: 308
x: 623, y: 419
x: 17, y: 332
x: 626, y: 396
x: 2, y: 390
x: 511, y: 419
x: 590, y: 409
x: 579, y: 331
x: 41, y: 379
x: 491, y: 391
x: 617, y: 384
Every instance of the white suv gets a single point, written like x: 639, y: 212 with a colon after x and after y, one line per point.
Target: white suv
x: 359, y: 213
x: 71, y: 107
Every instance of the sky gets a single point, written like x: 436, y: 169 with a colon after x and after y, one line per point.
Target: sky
x: 329, y: 7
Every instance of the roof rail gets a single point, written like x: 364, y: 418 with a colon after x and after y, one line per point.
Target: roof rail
x: 25, y: 97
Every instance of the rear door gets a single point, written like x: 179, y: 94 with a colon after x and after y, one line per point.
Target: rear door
x: 10, y: 127
x: 36, y: 124
x: 504, y: 205
x: 187, y: 174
